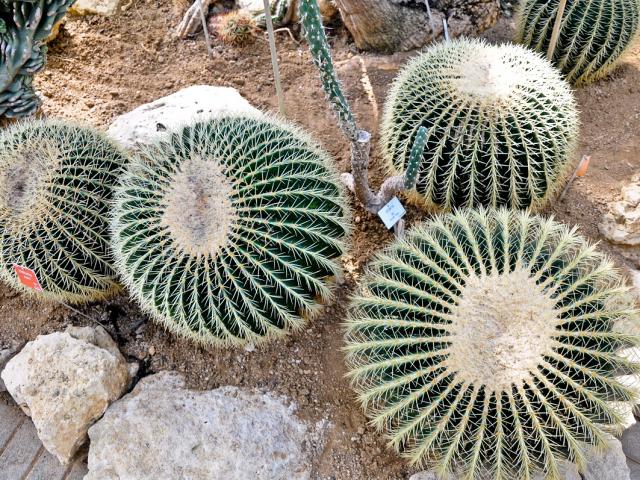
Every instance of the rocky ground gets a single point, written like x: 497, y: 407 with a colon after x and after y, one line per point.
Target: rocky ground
x: 101, y: 68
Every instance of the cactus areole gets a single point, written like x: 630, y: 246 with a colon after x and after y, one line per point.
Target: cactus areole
x: 229, y: 231
x: 485, y: 343
x: 501, y: 126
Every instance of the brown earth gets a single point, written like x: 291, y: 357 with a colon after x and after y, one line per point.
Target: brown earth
x: 99, y: 68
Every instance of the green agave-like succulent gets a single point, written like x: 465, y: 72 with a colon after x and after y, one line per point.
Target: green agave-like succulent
x: 56, y: 185
x: 502, y: 126
x: 594, y: 34
x: 228, y: 231
x: 484, y: 343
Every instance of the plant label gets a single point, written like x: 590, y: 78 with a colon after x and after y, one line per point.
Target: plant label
x: 392, y: 213
x: 27, y: 277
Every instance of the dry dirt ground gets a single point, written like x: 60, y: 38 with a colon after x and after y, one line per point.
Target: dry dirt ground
x: 99, y: 68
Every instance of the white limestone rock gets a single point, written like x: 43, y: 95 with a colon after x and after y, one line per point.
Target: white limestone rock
x: 153, y: 121
x: 65, y: 381
x: 163, y: 430
x: 621, y: 224
x: 611, y: 464
x: 105, y: 8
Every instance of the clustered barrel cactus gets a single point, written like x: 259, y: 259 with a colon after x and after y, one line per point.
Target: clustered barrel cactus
x: 502, y: 126
x: 56, y: 185
x: 228, y: 231
x: 593, y: 36
x: 485, y: 343
x: 24, y: 25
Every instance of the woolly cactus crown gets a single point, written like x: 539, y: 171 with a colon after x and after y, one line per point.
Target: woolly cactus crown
x: 593, y: 36
x: 227, y: 231
x: 484, y: 343
x: 56, y: 184
x: 502, y: 125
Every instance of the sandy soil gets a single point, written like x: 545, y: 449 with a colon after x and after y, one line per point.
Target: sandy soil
x: 99, y: 68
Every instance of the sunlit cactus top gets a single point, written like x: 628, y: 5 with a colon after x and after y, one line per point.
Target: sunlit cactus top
x: 228, y: 231
x: 594, y: 34
x: 56, y: 188
x: 502, y: 125
x: 486, y: 343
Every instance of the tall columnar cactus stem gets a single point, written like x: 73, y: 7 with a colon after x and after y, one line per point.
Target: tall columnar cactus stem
x: 311, y: 20
x: 358, y: 180
x: 26, y: 24
x: 56, y: 185
x: 228, y: 231
x: 488, y: 343
x: 502, y: 126
x: 594, y: 34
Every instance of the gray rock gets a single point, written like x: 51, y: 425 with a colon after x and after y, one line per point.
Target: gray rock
x: 621, y: 224
x: 163, y: 430
x: 65, y: 384
x: 568, y: 471
x: 153, y: 121
x: 608, y: 465
x: 430, y: 475
x: 6, y: 353
x: 631, y: 447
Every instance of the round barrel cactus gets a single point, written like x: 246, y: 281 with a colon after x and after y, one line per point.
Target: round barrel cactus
x: 228, y: 231
x: 486, y: 343
x: 56, y: 185
x: 502, y: 126
x: 593, y: 35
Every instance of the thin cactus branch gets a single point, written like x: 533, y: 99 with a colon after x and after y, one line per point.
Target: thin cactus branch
x: 358, y: 180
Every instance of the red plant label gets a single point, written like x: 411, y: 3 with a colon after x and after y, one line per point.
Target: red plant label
x: 27, y: 277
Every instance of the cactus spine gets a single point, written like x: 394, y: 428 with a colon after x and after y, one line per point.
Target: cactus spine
x: 23, y: 28
x: 502, y: 126
x: 485, y: 343
x: 228, y: 231
x: 594, y: 34
x: 56, y: 185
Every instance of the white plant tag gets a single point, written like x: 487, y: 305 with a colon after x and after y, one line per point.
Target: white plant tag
x: 392, y: 213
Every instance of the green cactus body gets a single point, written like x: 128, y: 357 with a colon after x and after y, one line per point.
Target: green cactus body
x: 593, y: 36
x: 229, y: 231
x: 24, y: 26
x: 484, y: 343
x: 501, y: 126
x: 56, y: 185
x: 311, y: 20
x: 415, y: 159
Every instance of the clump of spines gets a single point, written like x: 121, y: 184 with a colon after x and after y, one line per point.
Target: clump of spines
x: 501, y: 126
x: 261, y: 267
x: 237, y: 28
x: 56, y: 185
x: 485, y: 343
x: 594, y: 34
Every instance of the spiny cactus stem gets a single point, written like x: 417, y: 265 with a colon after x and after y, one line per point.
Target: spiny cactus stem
x: 556, y: 30
x: 274, y: 56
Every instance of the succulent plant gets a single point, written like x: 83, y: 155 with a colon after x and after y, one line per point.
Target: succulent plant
x: 593, y: 35
x: 237, y: 28
x: 24, y: 26
x: 502, y: 126
x: 311, y: 20
x: 56, y: 185
x: 228, y: 231
x: 485, y: 343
